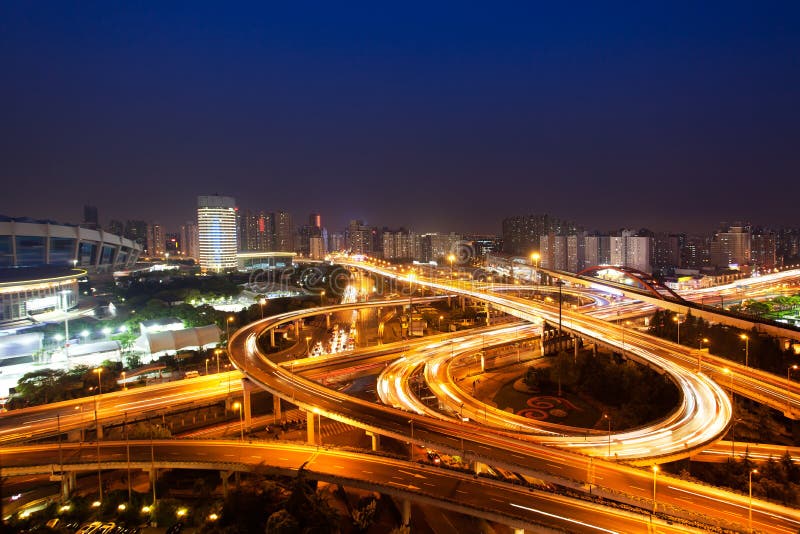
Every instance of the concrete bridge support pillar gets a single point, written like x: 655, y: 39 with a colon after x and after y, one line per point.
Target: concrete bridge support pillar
x: 328, y: 321
x: 376, y: 440
x: 463, y: 302
x: 276, y: 409
x: 247, y: 390
x: 99, y: 429
x: 311, y: 420
x: 67, y: 484
x: 225, y: 475
x: 272, y: 337
x: 519, y: 531
x: 297, y: 327
x: 406, y: 512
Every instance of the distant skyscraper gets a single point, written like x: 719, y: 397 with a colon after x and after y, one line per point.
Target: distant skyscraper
x: 90, y: 219
x: 284, y: 232
x: 317, y: 248
x: 173, y: 244
x: 136, y: 231
x: 189, y: 238
x: 216, y: 224
x: 731, y: 246
x: 156, y: 240
x: 521, y: 234
x: 116, y: 227
x: 336, y: 242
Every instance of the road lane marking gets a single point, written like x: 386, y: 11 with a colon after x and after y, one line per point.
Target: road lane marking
x: 563, y: 518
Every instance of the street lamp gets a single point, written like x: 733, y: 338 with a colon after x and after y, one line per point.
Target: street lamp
x: 677, y: 320
x: 261, y: 303
x: 322, y: 298
x: 440, y: 322
x: 788, y: 386
x: 746, y: 340
x: 308, y: 348
x: 206, y: 366
x: 99, y: 372
x: 750, y: 500
x: 124, y: 383
x: 228, y: 329
x: 238, y: 406
x: 655, y: 475
x: 535, y: 258
x: 216, y: 353
x: 451, y: 258
x: 319, y: 423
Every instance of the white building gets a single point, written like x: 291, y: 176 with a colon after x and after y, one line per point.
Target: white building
x: 216, y: 225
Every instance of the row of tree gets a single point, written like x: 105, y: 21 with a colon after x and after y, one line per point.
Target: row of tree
x: 762, y: 351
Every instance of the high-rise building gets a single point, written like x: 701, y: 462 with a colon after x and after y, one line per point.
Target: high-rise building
x: 317, y: 248
x: 116, y: 227
x: 216, y: 224
x: 731, y: 247
x: 173, y: 244
x: 284, y: 232
x: 521, y: 234
x: 359, y: 237
x: 256, y: 231
x: 189, y: 240
x: 90, y: 218
x: 401, y: 244
x: 311, y: 230
x: 136, y: 231
x: 763, y: 249
x: 336, y: 242
x: 155, y: 240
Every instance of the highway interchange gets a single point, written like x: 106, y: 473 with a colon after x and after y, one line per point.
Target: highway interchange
x: 579, y: 464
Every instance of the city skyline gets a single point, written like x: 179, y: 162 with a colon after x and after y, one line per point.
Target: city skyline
x: 452, y: 118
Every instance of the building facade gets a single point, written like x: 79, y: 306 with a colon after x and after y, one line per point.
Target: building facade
x: 217, y: 236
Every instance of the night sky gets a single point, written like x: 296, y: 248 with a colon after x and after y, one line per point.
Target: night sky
x: 672, y: 116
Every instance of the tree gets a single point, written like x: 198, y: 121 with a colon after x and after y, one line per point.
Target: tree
x: 281, y: 522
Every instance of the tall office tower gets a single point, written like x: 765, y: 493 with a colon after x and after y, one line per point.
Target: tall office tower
x: 576, y: 252
x: 665, y: 253
x: 189, y: 238
x: 315, y: 220
x: 553, y: 252
x: 336, y: 242
x: 216, y: 225
x: 136, y: 231
x: 155, y: 240
x: 90, y: 218
x: 284, y: 232
x: 731, y: 246
x: 116, y: 227
x: 637, y: 253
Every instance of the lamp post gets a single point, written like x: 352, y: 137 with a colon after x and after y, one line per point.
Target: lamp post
x: 206, y: 366
x: 606, y: 416
x: 750, y: 499
x: 746, y: 340
x: 99, y: 372
x: 322, y: 298
x: 261, y: 303
x: 124, y: 383
x: 451, y: 258
x: 228, y: 329
x: 677, y: 320
x: 308, y: 347
x: 700, y: 352
x: 788, y: 387
x: 238, y: 407
x: 319, y: 425
x: 559, y: 283
x: 216, y: 353
x: 655, y: 476
x: 440, y: 322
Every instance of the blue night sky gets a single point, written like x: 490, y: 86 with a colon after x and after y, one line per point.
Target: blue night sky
x: 667, y: 115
